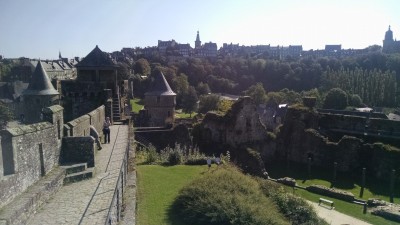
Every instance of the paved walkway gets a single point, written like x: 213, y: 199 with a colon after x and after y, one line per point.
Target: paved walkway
x: 334, y: 217
x: 88, y: 201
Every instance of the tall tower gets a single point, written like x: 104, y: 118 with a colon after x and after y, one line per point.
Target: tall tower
x: 388, y: 41
x: 39, y: 94
x: 159, y: 101
x: 197, y: 43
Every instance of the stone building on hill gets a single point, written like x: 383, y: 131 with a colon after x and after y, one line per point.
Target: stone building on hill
x: 159, y: 106
x: 39, y: 94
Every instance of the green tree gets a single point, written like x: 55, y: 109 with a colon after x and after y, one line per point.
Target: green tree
x: 355, y: 100
x: 257, y: 92
x: 123, y: 71
x: 142, y: 67
x: 203, y: 88
x: 208, y: 103
x: 180, y: 85
x: 336, y: 99
x: 189, y: 101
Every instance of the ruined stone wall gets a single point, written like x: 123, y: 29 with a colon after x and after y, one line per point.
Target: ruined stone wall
x: 359, y: 124
x: 240, y: 125
x: 28, y: 153
x: 300, y: 139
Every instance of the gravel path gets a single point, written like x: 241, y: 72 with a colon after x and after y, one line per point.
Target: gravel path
x: 334, y: 217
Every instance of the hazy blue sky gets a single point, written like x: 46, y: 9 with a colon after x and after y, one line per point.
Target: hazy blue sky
x: 41, y: 28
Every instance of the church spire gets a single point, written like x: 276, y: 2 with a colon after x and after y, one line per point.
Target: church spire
x: 197, y: 43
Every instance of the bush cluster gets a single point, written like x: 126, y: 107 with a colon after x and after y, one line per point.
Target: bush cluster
x: 224, y: 197
x: 171, y: 156
x: 296, y: 209
x: 331, y: 192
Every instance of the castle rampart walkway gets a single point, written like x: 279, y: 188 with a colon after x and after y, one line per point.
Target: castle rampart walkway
x: 88, y: 201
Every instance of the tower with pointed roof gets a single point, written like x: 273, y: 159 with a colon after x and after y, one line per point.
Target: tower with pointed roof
x: 197, y: 43
x: 389, y: 44
x: 96, y: 84
x: 39, y: 94
x: 159, y: 102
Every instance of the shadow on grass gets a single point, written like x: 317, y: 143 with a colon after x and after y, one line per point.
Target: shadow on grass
x: 317, y: 175
x: 350, y: 181
x: 173, y: 215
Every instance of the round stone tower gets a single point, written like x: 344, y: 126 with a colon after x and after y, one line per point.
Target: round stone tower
x: 39, y: 94
x: 160, y: 102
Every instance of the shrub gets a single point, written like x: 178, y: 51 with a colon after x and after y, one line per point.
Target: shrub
x: 225, y: 197
x: 296, y: 209
x: 147, y: 155
x: 331, y: 192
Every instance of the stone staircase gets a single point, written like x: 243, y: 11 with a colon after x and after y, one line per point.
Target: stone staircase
x: 116, y: 109
x: 77, y: 172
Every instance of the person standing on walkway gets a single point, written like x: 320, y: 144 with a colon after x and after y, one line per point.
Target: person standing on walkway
x: 106, y: 130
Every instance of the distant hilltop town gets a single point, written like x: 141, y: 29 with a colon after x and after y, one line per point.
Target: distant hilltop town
x: 210, y: 49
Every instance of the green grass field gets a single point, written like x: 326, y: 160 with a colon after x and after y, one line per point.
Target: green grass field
x: 373, y: 189
x: 344, y: 181
x: 137, y: 104
x: 158, y: 186
x: 180, y: 114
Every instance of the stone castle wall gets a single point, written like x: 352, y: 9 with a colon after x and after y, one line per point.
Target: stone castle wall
x: 80, y: 126
x: 28, y: 153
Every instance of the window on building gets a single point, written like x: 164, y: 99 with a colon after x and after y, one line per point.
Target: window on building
x: 41, y: 158
x: 8, y: 158
x: 58, y: 130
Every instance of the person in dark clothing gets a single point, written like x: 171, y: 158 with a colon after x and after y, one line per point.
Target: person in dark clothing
x: 106, y: 130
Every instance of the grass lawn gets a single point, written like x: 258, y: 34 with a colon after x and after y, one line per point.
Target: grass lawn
x: 158, y: 186
x: 347, y: 208
x: 137, y: 104
x: 344, y: 181
x: 373, y: 189
x: 180, y: 114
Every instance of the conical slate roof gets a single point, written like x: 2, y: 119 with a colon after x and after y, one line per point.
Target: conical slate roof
x: 160, y: 86
x: 96, y: 58
x: 40, y: 83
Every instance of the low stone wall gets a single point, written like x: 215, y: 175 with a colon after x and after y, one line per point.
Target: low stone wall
x: 28, y: 152
x: 97, y: 117
x: 79, y: 127
x: 78, y: 150
x: 162, y: 138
